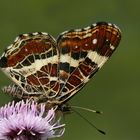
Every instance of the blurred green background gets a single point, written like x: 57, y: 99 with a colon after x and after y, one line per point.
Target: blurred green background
x: 115, y: 89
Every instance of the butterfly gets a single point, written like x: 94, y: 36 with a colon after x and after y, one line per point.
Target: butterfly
x: 53, y: 70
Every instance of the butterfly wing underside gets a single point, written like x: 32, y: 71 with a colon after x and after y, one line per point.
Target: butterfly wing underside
x: 32, y: 63
x: 43, y: 67
x: 82, y: 53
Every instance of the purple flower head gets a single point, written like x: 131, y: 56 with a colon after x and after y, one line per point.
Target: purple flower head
x: 24, y: 121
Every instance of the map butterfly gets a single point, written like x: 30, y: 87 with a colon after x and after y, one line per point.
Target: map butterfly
x: 53, y: 71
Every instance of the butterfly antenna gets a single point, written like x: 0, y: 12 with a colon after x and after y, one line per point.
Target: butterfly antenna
x: 88, y: 120
x: 87, y: 109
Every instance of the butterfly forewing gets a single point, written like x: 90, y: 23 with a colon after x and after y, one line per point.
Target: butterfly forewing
x: 32, y: 63
x: 82, y: 53
x: 57, y: 69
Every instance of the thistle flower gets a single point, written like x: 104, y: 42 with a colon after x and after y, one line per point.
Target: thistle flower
x: 24, y: 121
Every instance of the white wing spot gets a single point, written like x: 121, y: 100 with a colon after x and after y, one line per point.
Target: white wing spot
x: 76, y: 47
x: 25, y: 35
x: 26, y: 50
x: 35, y: 33
x: 44, y: 33
x: 87, y: 28
x: 94, y: 24
x: 16, y: 39
x: 94, y: 41
x: 9, y: 47
x: 112, y: 47
x: 87, y: 35
x: 109, y: 24
x: 78, y: 30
